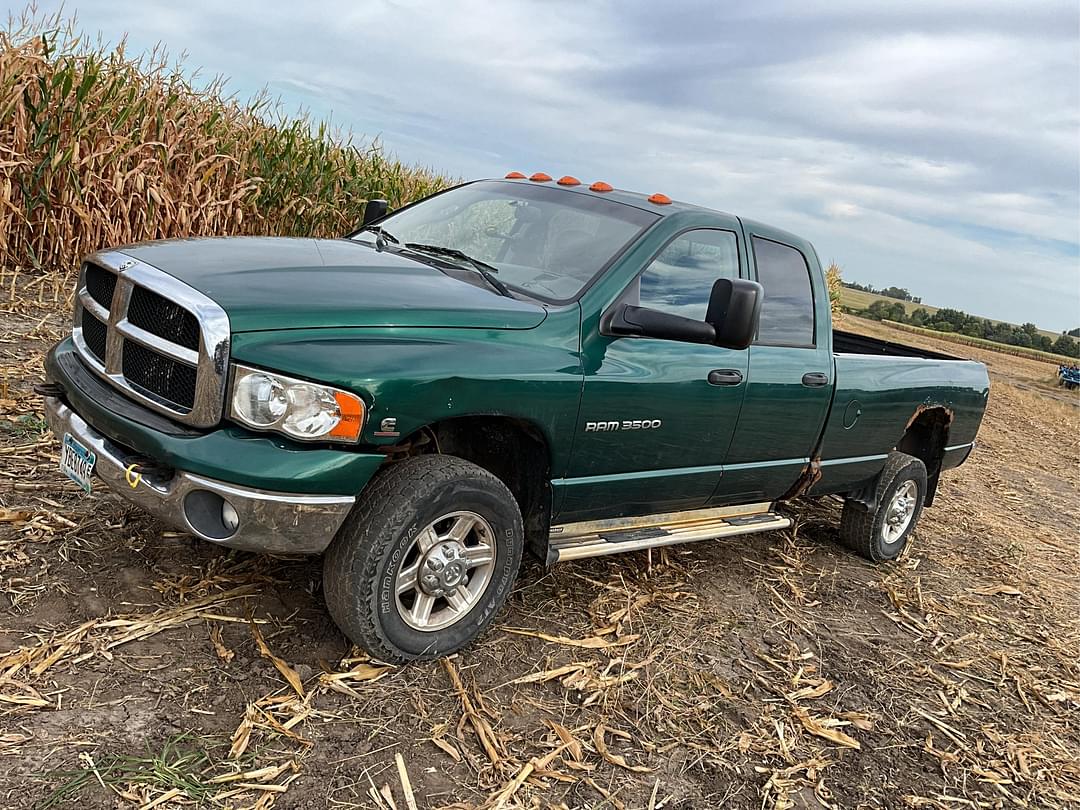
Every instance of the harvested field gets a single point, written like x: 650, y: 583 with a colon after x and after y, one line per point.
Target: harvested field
x: 139, y: 668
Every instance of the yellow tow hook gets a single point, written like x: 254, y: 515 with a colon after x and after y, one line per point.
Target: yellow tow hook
x: 132, y: 476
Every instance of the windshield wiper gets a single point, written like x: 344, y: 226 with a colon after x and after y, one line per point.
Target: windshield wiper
x: 483, y: 268
x: 382, y: 236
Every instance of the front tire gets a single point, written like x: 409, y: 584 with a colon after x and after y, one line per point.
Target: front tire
x: 882, y: 533
x: 425, y: 560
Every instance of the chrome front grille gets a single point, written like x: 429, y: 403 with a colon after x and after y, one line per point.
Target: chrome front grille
x: 95, y: 335
x: 164, y: 318
x: 162, y: 342
x: 100, y: 283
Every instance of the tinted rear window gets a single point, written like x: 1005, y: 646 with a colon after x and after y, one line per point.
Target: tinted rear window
x: 787, y: 314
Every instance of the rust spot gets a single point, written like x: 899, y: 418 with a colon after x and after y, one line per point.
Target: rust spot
x: 809, y: 476
x: 948, y: 412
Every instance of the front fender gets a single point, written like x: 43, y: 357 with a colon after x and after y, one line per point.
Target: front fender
x: 417, y: 377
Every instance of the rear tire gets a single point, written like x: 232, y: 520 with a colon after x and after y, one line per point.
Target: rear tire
x: 425, y: 560
x: 882, y: 533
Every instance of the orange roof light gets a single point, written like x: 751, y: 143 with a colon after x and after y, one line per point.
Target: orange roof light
x: 515, y: 176
x: 660, y: 199
x: 540, y: 177
x: 569, y: 181
x: 600, y: 186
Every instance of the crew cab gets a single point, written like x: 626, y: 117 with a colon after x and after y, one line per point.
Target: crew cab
x: 509, y: 364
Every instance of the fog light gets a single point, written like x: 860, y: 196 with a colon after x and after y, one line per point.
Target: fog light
x: 229, y: 518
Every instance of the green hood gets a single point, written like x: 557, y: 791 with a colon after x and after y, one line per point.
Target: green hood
x: 276, y: 283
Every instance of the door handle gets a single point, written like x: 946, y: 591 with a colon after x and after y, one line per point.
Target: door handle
x: 815, y: 379
x: 725, y: 376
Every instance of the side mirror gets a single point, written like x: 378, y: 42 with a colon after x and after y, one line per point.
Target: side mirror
x: 374, y: 211
x: 731, y: 320
x: 734, y: 311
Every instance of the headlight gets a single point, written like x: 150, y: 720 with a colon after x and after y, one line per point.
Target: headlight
x: 302, y: 410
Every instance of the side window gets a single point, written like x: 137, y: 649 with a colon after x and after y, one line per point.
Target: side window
x: 680, y: 279
x: 787, y: 313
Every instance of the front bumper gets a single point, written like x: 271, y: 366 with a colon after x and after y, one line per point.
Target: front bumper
x: 274, y: 522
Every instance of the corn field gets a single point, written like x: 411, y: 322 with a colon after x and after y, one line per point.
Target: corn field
x: 98, y: 148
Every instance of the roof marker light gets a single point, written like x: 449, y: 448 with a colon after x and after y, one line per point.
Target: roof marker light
x: 569, y: 181
x: 540, y: 177
x: 660, y: 199
x: 600, y: 186
x: 515, y: 176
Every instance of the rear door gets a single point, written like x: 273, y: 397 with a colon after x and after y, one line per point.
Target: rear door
x: 657, y: 416
x: 790, y: 372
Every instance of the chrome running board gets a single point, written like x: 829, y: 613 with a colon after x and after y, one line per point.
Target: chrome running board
x: 593, y: 538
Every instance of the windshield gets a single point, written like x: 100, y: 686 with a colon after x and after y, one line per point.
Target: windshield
x: 543, y: 241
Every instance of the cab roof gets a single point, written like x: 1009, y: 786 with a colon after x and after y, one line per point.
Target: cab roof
x: 656, y: 203
x: 659, y: 204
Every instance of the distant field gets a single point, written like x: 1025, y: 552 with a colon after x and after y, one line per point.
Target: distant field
x: 857, y: 299
x: 994, y: 346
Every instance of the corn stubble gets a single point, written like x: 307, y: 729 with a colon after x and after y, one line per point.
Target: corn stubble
x: 99, y: 148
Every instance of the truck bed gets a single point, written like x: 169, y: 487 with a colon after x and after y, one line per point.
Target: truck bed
x: 851, y: 343
x: 882, y: 389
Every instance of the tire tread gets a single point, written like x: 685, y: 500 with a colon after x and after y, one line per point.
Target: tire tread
x: 858, y: 524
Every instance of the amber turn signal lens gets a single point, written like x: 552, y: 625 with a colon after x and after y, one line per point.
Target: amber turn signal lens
x: 540, y: 177
x: 660, y: 199
x: 515, y: 176
x: 601, y: 186
x: 569, y: 181
x: 352, y: 416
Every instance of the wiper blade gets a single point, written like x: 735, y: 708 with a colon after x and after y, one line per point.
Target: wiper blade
x: 453, y: 253
x: 483, y: 268
x: 382, y: 236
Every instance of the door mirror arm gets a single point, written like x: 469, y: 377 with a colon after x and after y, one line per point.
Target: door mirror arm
x: 625, y: 320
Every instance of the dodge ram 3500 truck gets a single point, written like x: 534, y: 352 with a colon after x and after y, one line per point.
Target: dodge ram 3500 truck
x: 507, y: 364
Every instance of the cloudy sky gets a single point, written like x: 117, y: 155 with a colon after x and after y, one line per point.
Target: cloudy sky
x: 923, y: 143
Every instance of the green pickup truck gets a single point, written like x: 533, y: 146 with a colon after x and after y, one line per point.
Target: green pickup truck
x: 507, y: 364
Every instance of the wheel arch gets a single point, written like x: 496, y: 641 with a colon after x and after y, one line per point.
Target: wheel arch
x: 926, y: 437
x: 513, y: 449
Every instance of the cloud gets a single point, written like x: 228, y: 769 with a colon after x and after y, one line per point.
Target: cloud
x: 920, y: 143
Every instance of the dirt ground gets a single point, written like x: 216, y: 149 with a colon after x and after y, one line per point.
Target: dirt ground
x: 139, y: 667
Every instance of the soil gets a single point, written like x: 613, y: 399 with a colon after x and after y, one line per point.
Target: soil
x: 771, y: 671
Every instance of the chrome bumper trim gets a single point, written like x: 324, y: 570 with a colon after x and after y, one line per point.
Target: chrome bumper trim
x: 270, y: 522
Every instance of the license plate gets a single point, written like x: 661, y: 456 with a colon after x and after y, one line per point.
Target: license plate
x: 77, y: 462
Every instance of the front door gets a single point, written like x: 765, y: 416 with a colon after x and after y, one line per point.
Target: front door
x: 657, y: 416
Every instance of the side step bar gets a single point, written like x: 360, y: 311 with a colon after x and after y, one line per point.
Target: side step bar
x: 593, y: 538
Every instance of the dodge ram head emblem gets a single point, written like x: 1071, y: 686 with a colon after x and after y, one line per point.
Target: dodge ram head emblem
x: 124, y: 265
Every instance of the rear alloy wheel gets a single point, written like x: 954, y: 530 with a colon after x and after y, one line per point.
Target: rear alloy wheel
x: 899, y: 512
x: 425, y: 560
x: 882, y: 533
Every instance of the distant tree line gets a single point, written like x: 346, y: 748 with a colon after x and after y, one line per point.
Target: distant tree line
x: 900, y: 293
x: 954, y: 320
